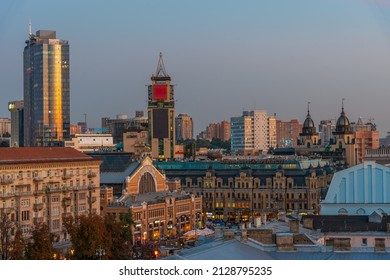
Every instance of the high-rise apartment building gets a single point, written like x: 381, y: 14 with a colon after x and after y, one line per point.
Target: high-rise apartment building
x: 16, y: 109
x: 184, y: 127
x: 287, y: 133
x: 272, y: 139
x: 161, y: 114
x: 249, y: 133
x: 46, y: 90
x: 325, y: 129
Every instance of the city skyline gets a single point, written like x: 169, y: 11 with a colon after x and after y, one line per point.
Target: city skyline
x: 225, y: 56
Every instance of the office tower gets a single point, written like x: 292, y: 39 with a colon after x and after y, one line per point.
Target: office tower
x: 184, y: 127
x: 16, y: 109
x: 5, y: 127
x: 161, y: 114
x: 46, y: 90
x: 250, y: 133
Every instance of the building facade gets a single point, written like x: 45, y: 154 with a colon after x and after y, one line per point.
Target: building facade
x: 16, y: 109
x: 287, y: 133
x: 47, y: 185
x: 184, y: 127
x: 240, y: 192
x: 250, y: 133
x: 5, y: 127
x: 161, y: 114
x: 158, y: 206
x: 46, y: 90
x: 91, y: 142
x: 366, y: 138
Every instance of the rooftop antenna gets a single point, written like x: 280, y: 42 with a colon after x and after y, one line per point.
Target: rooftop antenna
x: 29, y: 29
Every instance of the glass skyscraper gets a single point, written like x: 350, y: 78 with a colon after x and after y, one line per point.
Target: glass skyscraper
x: 46, y: 90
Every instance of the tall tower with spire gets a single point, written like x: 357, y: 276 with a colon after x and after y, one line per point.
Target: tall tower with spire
x: 161, y: 114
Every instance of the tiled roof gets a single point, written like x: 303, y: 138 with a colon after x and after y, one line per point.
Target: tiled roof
x: 40, y: 154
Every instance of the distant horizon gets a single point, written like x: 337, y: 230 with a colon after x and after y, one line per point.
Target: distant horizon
x: 224, y: 57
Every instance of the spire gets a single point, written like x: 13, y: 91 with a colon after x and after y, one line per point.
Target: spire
x: 29, y: 29
x: 160, y: 72
x: 342, y: 105
x: 308, y: 108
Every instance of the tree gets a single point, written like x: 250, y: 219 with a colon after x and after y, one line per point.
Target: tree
x: 6, y: 226
x: 18, y: 246
x: 121, y: 236
x: 89, y: 237
x: 40, y: 246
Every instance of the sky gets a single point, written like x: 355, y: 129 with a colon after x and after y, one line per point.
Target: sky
x: 223, y: 56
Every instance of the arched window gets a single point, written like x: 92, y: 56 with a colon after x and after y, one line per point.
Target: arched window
x: 343, y: 211
x: 360, y: 211
x: 146, y: 183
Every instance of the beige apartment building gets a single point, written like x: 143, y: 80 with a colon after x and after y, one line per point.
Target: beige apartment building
x: 47, y: 185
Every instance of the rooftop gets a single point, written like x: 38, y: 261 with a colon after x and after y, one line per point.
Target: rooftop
x: 40, y: 154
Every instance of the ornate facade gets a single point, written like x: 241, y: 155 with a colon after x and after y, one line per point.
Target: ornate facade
x: 158, y: 206
x: 46, y: 185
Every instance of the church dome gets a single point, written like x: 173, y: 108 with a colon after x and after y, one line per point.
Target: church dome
x: 342, y: 124
x: 308, y: 125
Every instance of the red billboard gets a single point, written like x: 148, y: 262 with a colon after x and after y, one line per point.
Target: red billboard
x: 160, y: 92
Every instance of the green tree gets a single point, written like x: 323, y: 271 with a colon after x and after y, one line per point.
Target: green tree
x: 6, y: 227
x: 89, y: 236
x: 18, y: 246
x: 40, y: 246
x: 121, y: 236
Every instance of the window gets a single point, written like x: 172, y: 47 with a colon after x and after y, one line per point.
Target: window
x: 82, y: 196
x: 25, y: 229
x: 55, y: 211
x: 25, y: 203
x: 25, y: 215
x: 364, y: 241
x: 55, y: 199
x: 56, y: 224
x: 20, y: 175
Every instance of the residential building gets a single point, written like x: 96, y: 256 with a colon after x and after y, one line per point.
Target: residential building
x: 184, y: 127
x: 249, y: 133
x: 325, y: 131
x: 366, y: 138
x: 47, y: 185
x: 161, y: 114
x: 46, y: 90
x: 272, y: 132
x: 221, y: 131
x: 287, y: 133
x: 5, y: 127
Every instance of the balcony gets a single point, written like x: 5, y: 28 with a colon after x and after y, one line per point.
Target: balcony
x: 6, y: 181
x: 7, y: 210
x: 92, y: 199
x: 37, y: 179
x: 66, y: 176
x: 91, y: 186
x: 37, y: 207
x: 38, y: 220
x: 91, y: 174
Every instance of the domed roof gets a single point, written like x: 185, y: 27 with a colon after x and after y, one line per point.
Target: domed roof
x: 308, y: 125
x: 308, y: 122
x: 342, y: 124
